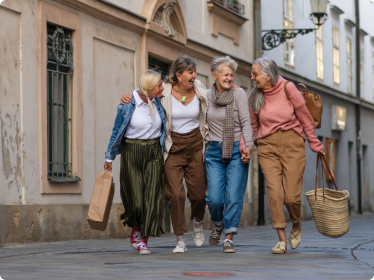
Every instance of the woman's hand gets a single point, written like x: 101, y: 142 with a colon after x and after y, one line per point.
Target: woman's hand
x: 322, y: 151
x: 108, y: 166
x: 126, y: 98
x: 234, y: 87
x: 246, y: 155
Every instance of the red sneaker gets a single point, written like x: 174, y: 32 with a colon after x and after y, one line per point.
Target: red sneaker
x: 136, y: 235
x: 142, y: 248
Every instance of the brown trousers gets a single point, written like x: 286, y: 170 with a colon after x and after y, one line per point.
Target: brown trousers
x: 185, y: 160
x: 282, y: 159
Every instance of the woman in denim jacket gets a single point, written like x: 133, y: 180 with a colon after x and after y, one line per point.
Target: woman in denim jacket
x: 139, y: 135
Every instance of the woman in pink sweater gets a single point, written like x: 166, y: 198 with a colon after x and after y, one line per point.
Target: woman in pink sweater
x: 282, y: 126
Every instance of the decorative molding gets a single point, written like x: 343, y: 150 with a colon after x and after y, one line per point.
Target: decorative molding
x: 349, y: 23
x: 336, y: 10
x: 363, y: 33
x: 108, y: 12
x: 162, y: 17
x: 225, y: 21
x: 62, y: 18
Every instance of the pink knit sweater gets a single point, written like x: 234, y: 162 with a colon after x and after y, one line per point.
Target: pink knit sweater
x: 281, y: 114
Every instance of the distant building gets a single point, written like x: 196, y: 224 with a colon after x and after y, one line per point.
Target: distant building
x: 325, y: 61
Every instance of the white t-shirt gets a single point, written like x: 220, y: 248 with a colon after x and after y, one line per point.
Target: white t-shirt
x: 142, y: 124
x: 184, y: 118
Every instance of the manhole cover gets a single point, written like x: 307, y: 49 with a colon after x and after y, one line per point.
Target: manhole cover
x: 208, y: 274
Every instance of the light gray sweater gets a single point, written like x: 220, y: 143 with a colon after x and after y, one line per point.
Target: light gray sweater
x: 242, y: 123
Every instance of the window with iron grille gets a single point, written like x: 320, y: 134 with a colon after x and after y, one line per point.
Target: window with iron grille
x: 159, y: 66
x: 289, y: 45
x: 336, y: 55
x: 349, y: 67
x: 59, y: 101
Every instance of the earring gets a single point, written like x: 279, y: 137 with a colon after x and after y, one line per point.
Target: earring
x: 180, y: 81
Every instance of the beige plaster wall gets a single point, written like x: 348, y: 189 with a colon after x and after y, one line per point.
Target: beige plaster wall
x: 17, y: 98
x: 134, y: 6
x: 104, y: 48
x: 197, y: 18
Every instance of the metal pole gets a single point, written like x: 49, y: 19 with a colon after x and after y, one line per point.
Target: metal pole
x: 358, y: 108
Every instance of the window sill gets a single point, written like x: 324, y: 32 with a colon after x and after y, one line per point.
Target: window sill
x: 63, y: 180
x: 290, y: 65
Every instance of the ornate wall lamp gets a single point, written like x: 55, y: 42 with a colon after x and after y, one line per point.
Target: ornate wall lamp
x: 273, y: 38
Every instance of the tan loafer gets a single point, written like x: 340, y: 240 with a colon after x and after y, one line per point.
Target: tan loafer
x: 295, y: 239
x: 280, y: 248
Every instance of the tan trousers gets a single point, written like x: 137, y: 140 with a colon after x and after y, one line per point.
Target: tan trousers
x: 185, y: 160
x: 282, y: 159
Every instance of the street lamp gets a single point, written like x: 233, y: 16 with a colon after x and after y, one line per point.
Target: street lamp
x: 273, y: 38
x: 318, y: 15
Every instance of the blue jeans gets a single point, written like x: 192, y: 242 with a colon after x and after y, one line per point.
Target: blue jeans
x: 227, y: 180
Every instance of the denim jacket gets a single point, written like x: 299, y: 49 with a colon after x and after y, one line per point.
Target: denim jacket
x: 124, y: 114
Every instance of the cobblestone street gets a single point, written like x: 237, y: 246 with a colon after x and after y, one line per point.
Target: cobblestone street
x: 317, y: 257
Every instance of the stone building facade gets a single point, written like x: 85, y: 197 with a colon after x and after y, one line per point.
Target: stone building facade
x: 64, y: 64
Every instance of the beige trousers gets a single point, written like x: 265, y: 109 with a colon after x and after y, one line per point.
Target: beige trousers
x: 282, y: 159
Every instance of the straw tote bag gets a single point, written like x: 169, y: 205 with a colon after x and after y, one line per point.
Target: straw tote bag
x: 329, y: 207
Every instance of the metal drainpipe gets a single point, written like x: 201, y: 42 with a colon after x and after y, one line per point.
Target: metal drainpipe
x: 258, y: 53
x: 358, y: 107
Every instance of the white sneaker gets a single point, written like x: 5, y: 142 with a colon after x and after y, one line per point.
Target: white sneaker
x: 180, y: 248
x: 198, y: 236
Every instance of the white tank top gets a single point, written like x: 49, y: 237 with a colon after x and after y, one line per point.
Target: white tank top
x: 184, y: 118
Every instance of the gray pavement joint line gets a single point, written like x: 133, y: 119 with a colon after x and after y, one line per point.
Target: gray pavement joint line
x: 355, y: 248
x: 91, y: 250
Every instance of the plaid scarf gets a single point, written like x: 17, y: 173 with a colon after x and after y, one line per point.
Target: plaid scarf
x: 226, y: 99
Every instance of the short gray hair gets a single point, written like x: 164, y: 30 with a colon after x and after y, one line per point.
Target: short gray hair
x: 216, y: 64
x: 268, y: 69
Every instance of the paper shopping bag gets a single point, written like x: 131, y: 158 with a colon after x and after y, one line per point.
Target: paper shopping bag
x: 101, y: 201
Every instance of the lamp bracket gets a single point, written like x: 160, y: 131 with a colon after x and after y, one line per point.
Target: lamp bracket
x: 273, y: 38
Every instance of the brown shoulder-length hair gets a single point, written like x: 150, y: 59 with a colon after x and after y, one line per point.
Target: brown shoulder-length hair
x: 180, y: 65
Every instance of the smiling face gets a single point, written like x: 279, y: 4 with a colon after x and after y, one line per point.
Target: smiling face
x: 224, y: 78
x: 262, y: 81
x: 156, y: 91
x: 187, y: 78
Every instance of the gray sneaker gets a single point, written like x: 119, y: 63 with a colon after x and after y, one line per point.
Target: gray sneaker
x: 215, y: 236
x: 228, y: 246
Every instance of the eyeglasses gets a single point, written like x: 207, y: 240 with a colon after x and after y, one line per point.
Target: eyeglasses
x: 253, y: 74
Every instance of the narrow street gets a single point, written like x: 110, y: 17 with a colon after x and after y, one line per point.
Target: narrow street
x: 317, y: 257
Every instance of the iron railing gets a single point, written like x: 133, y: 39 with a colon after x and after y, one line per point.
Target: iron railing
x: 233, y: 5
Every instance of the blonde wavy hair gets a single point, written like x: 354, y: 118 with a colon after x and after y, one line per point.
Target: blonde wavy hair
x: 148, y: 80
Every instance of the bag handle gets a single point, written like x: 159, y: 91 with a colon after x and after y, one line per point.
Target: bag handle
x: 285, y: 90
x: 300, y: 84
x: 321, y: 157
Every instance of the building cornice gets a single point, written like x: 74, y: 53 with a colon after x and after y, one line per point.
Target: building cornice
x: 108, y: 12
x: 336, y: 10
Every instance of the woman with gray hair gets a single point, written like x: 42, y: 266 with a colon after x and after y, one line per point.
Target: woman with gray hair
x: 228, y: 118
x: 281, y: 119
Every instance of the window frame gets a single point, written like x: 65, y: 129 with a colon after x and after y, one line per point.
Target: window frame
x: 56, y: 16
x: 336, y: 55
x: 349, y: 66
x: 289, y: 44
x: 319, y: 53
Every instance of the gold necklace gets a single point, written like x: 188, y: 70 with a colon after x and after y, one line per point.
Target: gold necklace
x: 184, y: 98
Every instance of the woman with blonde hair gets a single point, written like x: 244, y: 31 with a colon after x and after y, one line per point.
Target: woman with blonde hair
x: 282, y: 125
x: 139, y: 135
